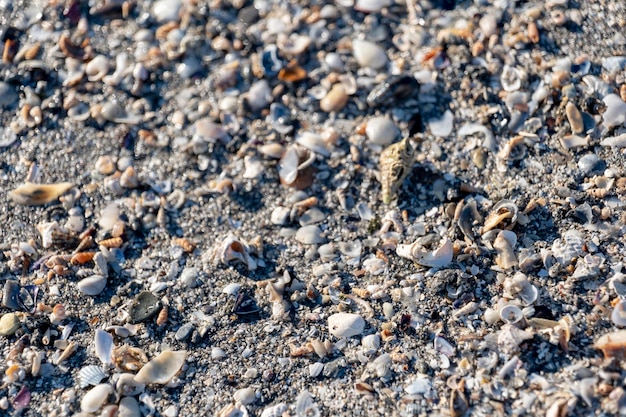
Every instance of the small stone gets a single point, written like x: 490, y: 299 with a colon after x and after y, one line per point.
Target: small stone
x: 488, y: 25
x: 9, y: 323
x: 166, y: 10
x: 9, y: 295
x: 280, y: 216
x: 105, y: 165
x: 335, y: 100
x: 574, y: 117
x: 442, y: 127
x: 369, y: 54
x: 184, y: 332
x: 144, y: 306
x: 310, y: 235
x: 343, y: 325
x: 591, y: 163
x: 95, y: 398
x: 312, y: 216
x: 381, y: 130
x: 189, y: 277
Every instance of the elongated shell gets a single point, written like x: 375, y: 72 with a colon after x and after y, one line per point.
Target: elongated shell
x: 31, y: 194
x: 162, y: 368
x: 104, y: 346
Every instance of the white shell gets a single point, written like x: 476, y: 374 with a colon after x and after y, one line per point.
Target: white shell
x: 103, y: 343
x: 439, y: 258
x: 275, y: 410
x: 618, y: 316
x: 369, y: 54
x: 217, y: 353
x: 92, y: 285
x: 313, y: 142
x: 345, y: 325
x: 126, y: 385
x: 511, y: 314
x: 91, y: 375
x: 162, y: 368
x: 129, y: 407
x: 245, y: 396
x: 310, y: 235
x: 305, y: 406
x: 95, y: 398
x: 315, y: 369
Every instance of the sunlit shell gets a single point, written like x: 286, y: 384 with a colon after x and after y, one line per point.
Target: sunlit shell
x: 125, y: 384
x: 511, y: 314
x: 245, y: 396
x: 613, y: 345
x: 91, y: 375
x: 618, y: 316
x: 504, y: 245
x: 511, y: 78
x: 97, y: 68
x: 95, y: 398
x: 439, y: 258
x: 128, y: 358
x: 31, y: 194
x: 114, y: 112
x: 103, y: 344
x: 92, y: 285
x: 504, y: 210
x: 232, y: 249
x: 305, y: 405
x: 569, y: 248
x: 162, y: 368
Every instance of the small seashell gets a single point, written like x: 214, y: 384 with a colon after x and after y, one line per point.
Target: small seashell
x: 114, y: 242
x: 97, y: 68
x: 232, y: 249
x: 305, y: 406
x: 335, y: 100
x: 346, y: 325
x: 103, y: 344
x: 126, y: 385
x: 443, y: 126
x: 511, y: 78
x: 95, y: 398
x: 162, y: 368
x: 315, y: 369
x: 9, y: 323
x: 31, y: 194
x: 618, y: 316
x: 616, y: 142
x: 93, y: 285
x: 91, y: 375
x: 504, y: 245
x: 114, y: 112
x: 613, y: 345
x: 504, y: 210
x: 511, y: 314
x: 129, y: 407
x: 615, y: 113
x: 217, y: 353
x: 259, y: 96
x: 369, y: 54
x: 439, y: 258
x: 313, y: 142
x: 245, y: 396
x: 575, y: 141
x: 574, y: 117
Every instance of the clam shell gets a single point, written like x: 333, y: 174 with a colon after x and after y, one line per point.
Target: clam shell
x: 245, y: 396
x: 30, y: 194
x: 511, y: 314
x: 162, y: 368
x: 92, y: 285
x: 91, y: 375
x: 103, y: 343
x: 126, y: 385
x: 613, y: 345
x: 95, y: 398
x: 618, y: 316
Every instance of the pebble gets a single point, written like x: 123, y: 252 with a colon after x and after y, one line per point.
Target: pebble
x: 218, y: 353
x: 184, y: 332
x: 369, y: 54
x: 315, y: 369
x: 381, y: 130
x: 591, y: 163
x: 343, y: 325
x: 312, y: 216
x: 93, y: 285
x: 310, y: 235
x: 144, y: 306
x: 280, y: 216
x: 166, y: 10
x: 335, y: 100
x: 9, y: 323
x: 189, y: 278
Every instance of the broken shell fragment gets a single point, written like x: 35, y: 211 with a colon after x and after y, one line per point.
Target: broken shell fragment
x: 504, y: 245
x: 439, y: 258
x: 505, y: 210
x: 618, y: 317
x: 31, y: 194
x: 613, y: 345
x: 162, y: 368
x: 232, y: 249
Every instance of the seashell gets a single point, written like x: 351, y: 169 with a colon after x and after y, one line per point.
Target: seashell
x: 103, y: 344
x: 369, y: 54
x: 305, y: 406
x: 129, y: 358
x: 310, y: 235
x: 315, y: 369
x: 292, y: 45
x: 421, y: 385
x: 114, y: 242
x: 613, y: 345
x: 442, y: 127
x: 575, y: 118
x: 511, y: 314
x: 277, y: 410
x: 93, y: 285
x: 575, y: 141
x: 439, y: 258
x: 71, y: 50
x: 615, y: 113
x: 443, y: 346
x: 95, y: 398
x: 128, y: 407
x: 97, y: 68
x: 162, y: 368
x: 313, y: 142
x: 618, y: 316
x: 570, y: 248
x: 114, y: 112
x: 91, y: 375
x: 511, y: 78
x: 259, y: 95
x: 126, y: 385
x: 245, y: 396
x: 335, y: 100
x: 504, y: 245
x: 209, y: 131
x: 503, y: 210
x: 587, y: 388
x: 346, y: 325
x: 31, y: 194
x: 232, y: 249
x: 129, y: 179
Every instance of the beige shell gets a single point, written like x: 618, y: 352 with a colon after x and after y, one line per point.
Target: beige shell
x: 162, y: 368
x: 31, y: 194
x: 439, y: 258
